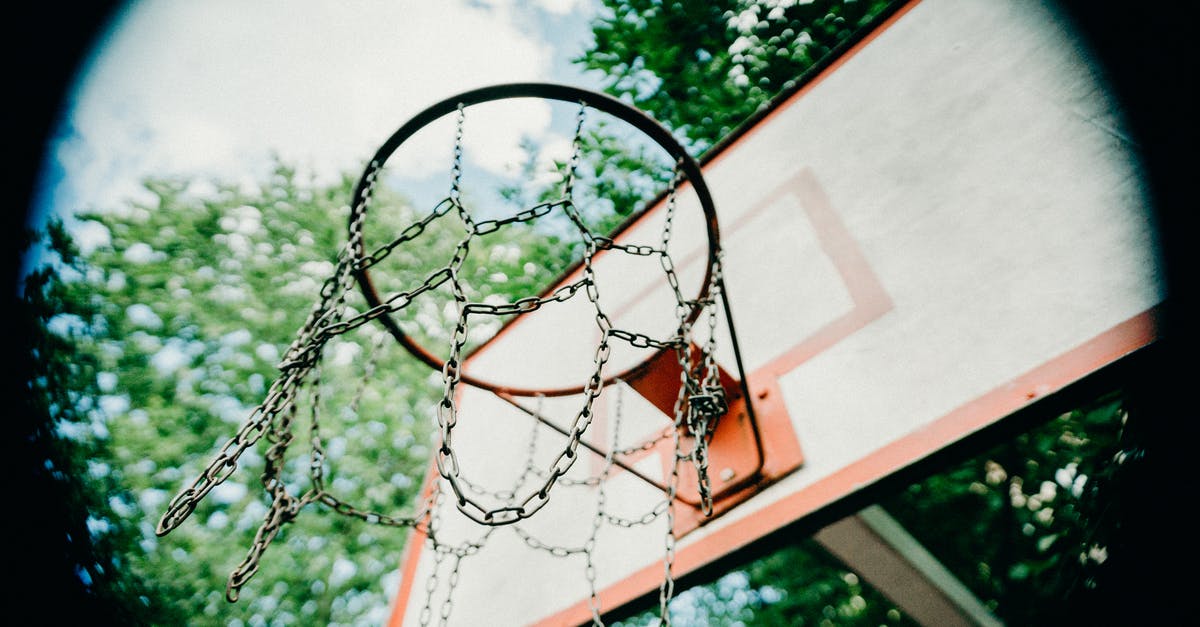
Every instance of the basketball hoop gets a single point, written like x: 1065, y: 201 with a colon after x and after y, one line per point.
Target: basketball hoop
x: 687, y: 165
x: 680, y: 376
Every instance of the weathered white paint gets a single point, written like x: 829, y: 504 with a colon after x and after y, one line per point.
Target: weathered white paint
x: 973, y: 156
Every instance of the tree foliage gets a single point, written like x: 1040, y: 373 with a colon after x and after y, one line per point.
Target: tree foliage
x: 799, y: 584
x: 703, y: 67
x: 1028, y: 525
x: 154, y: 345
x: 58, y: 496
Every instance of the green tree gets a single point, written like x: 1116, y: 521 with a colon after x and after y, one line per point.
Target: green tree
x: 701, y: 68
x: 58, y: 496
x: 153, y: 346
x: 1028, y: 525
x: 799, y: 584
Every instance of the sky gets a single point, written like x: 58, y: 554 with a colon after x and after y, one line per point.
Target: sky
x: 213, y: 89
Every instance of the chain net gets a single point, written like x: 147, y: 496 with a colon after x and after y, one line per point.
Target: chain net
x: 698, y: 405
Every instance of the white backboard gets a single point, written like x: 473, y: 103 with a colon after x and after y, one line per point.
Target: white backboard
x: 941, y: 227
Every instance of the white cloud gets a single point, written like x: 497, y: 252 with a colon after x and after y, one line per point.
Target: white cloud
x: 212, y: 88
x: 228, y: 493
x: 345, y: 353
x: 561, y: 7
x: 151, y: 498
x: 341, y: 572
x: 228, y: 409
x: 238, y: 337
x: 106, y: 381
x: 267, y: 352
x: 113, y: 405
x: 170, y: 358
x: 142, y: 315
x: 140, y: 252
x: 217, y: 520
x: 66, y: 325
x: 90, y: 235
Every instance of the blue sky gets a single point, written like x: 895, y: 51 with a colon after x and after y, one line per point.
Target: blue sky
x: 213, y: 89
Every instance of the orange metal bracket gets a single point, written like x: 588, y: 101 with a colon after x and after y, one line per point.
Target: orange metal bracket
x: 754, y: 443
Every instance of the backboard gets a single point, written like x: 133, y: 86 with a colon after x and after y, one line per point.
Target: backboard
x: 935, y: 230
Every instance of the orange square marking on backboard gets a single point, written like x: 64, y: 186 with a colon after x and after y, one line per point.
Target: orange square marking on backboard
x: 868, y: 301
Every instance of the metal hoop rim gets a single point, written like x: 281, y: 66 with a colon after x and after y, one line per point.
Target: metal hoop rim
x: 548, y: 91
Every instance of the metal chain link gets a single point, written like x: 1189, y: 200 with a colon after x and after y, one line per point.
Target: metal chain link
x: 647, y: 445
x: 456, y: 168
x: 666, y: 590
x: 707, y: 406
x: 431, y: 581
x: 645, y: 519
x: 576, y: 151
x: 701, y: 398
x: 589, y: 547
x: 470, y: 548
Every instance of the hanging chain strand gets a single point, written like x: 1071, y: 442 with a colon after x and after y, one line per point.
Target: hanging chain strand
x: 576, y: 151
x: 666, y: 590
x: 431, y: 581
x: 469, y: 548
x: 589, y: 547
x: 446, y: 458
x: 456, y: 168
x: 702, y: 399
